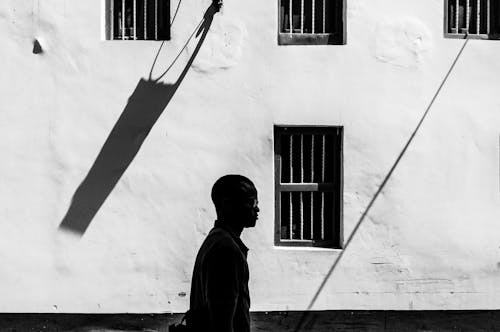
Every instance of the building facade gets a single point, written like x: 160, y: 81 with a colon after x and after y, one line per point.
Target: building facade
x: 110, y: 146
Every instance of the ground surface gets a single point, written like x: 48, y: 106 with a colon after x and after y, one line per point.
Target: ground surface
x: 276, y: 321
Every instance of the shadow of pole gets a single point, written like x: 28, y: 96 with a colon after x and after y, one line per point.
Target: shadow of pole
x: 144, y: 107
x: 304, y: 317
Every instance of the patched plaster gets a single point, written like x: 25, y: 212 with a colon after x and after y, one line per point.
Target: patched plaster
x: 402, y: 42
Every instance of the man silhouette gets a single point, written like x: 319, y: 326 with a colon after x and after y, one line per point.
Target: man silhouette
x: 220, y: 299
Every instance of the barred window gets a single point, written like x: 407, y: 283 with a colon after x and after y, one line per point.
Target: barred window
x: 304, y: 22
x: 308, y: 166
x: 472, y: 18
x: 138, y: 19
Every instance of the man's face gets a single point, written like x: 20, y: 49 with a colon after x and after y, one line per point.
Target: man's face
x: 244, y: 210
x: 250, y: 211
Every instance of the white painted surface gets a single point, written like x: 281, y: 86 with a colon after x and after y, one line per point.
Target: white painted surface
x: 431, y: 240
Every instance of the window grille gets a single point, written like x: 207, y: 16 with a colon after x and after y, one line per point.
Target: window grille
x: 472, y: 18
x: 311, y: 22
x: 138, y: 19
x: 308, y: 186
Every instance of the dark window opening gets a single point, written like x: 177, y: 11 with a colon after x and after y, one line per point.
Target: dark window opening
x: 308, y: 163
x: 472, y: 18
x: 311, y: 22
x: 139, y: 19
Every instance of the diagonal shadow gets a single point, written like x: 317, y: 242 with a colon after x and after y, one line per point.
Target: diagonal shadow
x: 144, y: 107
x: 305, y: 315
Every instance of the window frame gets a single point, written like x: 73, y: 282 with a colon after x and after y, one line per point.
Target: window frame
x: 335, y: 38
x: 495, y: 35
x: 336, y: 187
x: 157, y: 34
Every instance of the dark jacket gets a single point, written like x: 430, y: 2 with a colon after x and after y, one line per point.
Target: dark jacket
x: 220, y: 280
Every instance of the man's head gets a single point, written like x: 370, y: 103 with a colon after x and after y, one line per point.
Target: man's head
x: 235, y: 200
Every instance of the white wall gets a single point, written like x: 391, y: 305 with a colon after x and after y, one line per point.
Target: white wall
x: 429, y: 242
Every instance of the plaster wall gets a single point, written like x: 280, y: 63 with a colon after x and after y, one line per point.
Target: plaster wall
x: 430, y: 240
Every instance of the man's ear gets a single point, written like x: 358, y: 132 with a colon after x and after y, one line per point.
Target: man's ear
x: 224, y: 204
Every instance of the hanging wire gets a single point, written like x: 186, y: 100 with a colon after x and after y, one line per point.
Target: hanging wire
x: 178, y: 55
x: 175, y: 14
x: 182, y: 49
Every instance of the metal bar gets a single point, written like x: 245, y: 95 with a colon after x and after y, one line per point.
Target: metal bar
x: 112, y: 19
x: 478, y: 17
x: 290, y: 15
x: 291, y: 158
x: 145, y: 19
x: 488, y: 18
x: 291, y: 180
x: 323, y: 160
x: 307, y: 187
x: 297, y: 241
x: 322, y: 193
x: 312, y: 158
x: 322, y: 216
x: 312, y: 180
x: 135, y: 19
x: 301, y: 158
x: 313, y: 14
x: 156, y: 19
x: 457, y: 10
x: 324, y: 16
x: 312, y: 216
x: 467, y: 15
x: 301, y: 16
x: 301, y: 216
x: 123, y: 19
x: 291, y: 217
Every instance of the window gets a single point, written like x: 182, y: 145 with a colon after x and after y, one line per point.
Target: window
x: 138, y: 19
x: 308, y: 166
x: 308, y: 22
x: 472, y: 18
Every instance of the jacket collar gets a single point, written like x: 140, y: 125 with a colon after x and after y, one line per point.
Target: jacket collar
x: 243, y: 247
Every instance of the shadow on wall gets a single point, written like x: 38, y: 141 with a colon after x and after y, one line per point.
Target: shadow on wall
x: 144, y: 107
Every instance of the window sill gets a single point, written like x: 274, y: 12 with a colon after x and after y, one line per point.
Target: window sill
x: 307, y: 244
x: 285, y: 38
x: 137, y: 40
x: 471, y: 36
x: 299, y: 248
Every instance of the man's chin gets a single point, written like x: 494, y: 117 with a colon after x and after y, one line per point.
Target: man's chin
x: 251, y: 223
